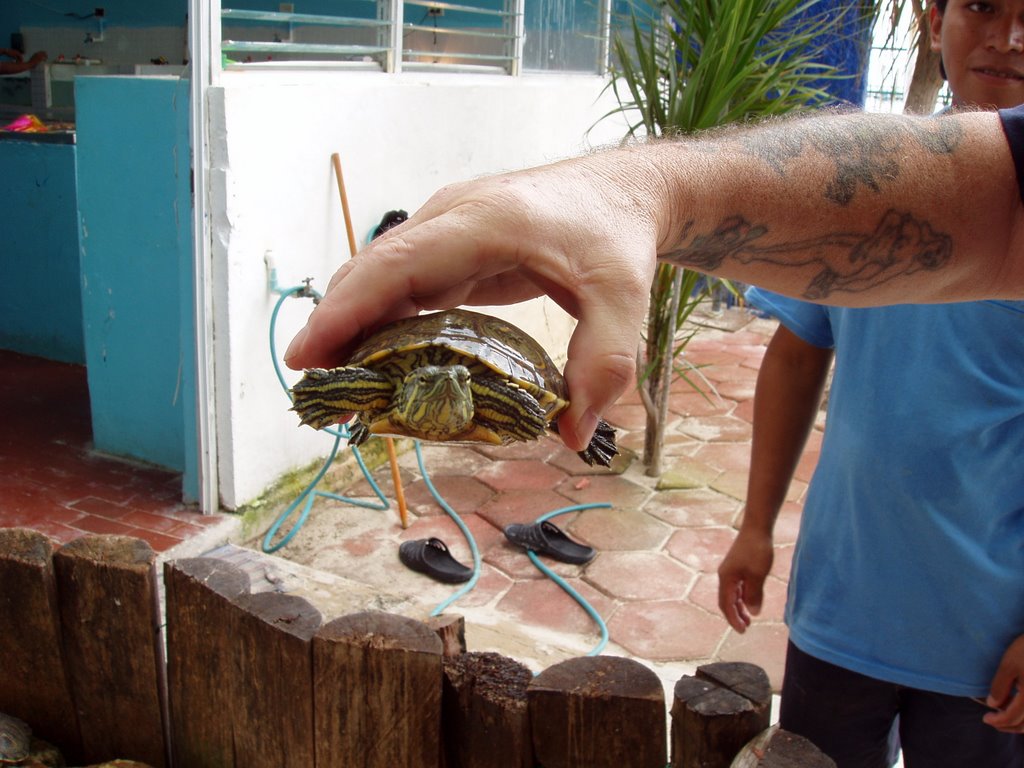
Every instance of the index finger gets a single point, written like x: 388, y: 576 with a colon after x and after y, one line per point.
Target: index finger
x: 384, y: 282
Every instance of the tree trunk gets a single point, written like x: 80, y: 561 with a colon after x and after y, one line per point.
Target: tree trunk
x: 661, y: 335
x: 926, y: 80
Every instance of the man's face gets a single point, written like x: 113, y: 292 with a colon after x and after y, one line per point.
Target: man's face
x: 982, y: 47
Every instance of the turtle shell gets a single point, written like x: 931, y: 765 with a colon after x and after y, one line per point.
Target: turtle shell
x: 457, y: 334
x: 15, y: 737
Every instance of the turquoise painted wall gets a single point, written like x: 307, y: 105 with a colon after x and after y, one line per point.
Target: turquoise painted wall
x: 41, y: 313
x: 136, y: 250
x: 141, y: 13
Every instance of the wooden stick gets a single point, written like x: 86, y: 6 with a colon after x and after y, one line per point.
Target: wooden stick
x: 403, y: 510
x: 336, y: 160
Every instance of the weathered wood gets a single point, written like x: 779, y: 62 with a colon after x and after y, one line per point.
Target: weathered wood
x: 272, y: 680
x: 110, y: 617
x: 486, y: 717
x: 598, y: 711
x: 378, y: 692
x: 200, y: 646
x: 776, y: 748
x: 33, y: 682
x: 716, y: 712
x: 451, y: 628
x: 748, y: 680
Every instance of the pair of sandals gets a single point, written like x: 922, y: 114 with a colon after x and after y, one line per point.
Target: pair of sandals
x: 432, y: 557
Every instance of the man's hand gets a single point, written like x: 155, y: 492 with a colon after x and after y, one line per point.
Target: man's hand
x: 741, y: 577
x: 1005, y: 694
x: 580, y: 232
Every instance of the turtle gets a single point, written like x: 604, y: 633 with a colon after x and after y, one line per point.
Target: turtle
x: 15, y: 739
x: 449, y: 376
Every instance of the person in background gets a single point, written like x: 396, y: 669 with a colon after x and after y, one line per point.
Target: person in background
x: 906, y: 597
x: 13, y: 62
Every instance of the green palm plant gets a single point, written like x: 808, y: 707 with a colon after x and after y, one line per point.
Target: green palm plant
x: 685, y: 66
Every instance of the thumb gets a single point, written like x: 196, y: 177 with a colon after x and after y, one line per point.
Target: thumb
x: 601, y: 365
x: 753, y: 594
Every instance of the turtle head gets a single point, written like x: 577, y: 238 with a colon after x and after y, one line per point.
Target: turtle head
x: 435, y: 401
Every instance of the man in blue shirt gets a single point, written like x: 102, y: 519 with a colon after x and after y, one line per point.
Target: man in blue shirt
x: 906, y: 597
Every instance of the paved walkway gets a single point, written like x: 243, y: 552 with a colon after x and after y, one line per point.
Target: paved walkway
x: 654, y: 578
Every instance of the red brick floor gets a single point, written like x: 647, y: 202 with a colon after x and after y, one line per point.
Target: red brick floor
x: 51, y: 480
x: 654, y: 579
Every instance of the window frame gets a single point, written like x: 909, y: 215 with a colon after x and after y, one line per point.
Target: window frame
x: 389, y: 54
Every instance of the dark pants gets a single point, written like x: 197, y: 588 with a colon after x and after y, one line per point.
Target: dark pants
x: 859, y: 721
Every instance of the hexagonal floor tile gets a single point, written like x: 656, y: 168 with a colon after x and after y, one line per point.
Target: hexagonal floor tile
x: 543, y: 603
x: 523, y: 507
x: 693, y: 507
x: 463, y: 494
x: 763, y: 644
x: 620, y: 529
x: 701, y: 549
x: 616, y: 490
x: 639, y: 576
x: 667, y: 630
x: 716, y: 428
x: 520, y: 475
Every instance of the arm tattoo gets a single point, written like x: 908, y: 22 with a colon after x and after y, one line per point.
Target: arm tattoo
x: 864, y: 153
x: 900, y: 245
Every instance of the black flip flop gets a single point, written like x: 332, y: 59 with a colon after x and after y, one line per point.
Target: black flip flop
x: 546, y: 538
x: 431, y: 556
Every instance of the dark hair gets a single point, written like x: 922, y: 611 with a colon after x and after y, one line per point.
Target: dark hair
x: 941, y: 5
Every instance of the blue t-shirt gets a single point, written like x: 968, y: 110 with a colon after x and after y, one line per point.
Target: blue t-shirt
x: 910, y: 561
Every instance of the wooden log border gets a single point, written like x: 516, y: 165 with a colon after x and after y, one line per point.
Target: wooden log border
x: 253, y: 680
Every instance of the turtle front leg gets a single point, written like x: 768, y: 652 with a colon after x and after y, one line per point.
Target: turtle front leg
x: 326, y: 397
x: 507, y: 410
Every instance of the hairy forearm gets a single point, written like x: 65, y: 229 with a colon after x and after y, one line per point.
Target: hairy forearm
x: 857, y: 209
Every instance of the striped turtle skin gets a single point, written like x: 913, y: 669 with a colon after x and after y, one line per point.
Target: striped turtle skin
x: 452, y: 376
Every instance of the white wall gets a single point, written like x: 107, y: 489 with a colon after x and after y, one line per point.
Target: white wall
x: 400, y: 138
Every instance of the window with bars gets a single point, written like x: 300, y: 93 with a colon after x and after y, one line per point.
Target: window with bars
x: 393, y: 35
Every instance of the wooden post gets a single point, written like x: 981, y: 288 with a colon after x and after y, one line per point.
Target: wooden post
x: 272, y: 680
x: 776, y: 748
x: 110, y: 616
x: 716, y: 712
x: 200, y: 646
x: 378, y: 692
x: 486, y: 717
x: 598, y: 711
x: 33, y: 682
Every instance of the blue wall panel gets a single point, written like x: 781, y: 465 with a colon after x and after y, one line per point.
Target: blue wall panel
x: 41, y: 313
x: 134, y: 202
